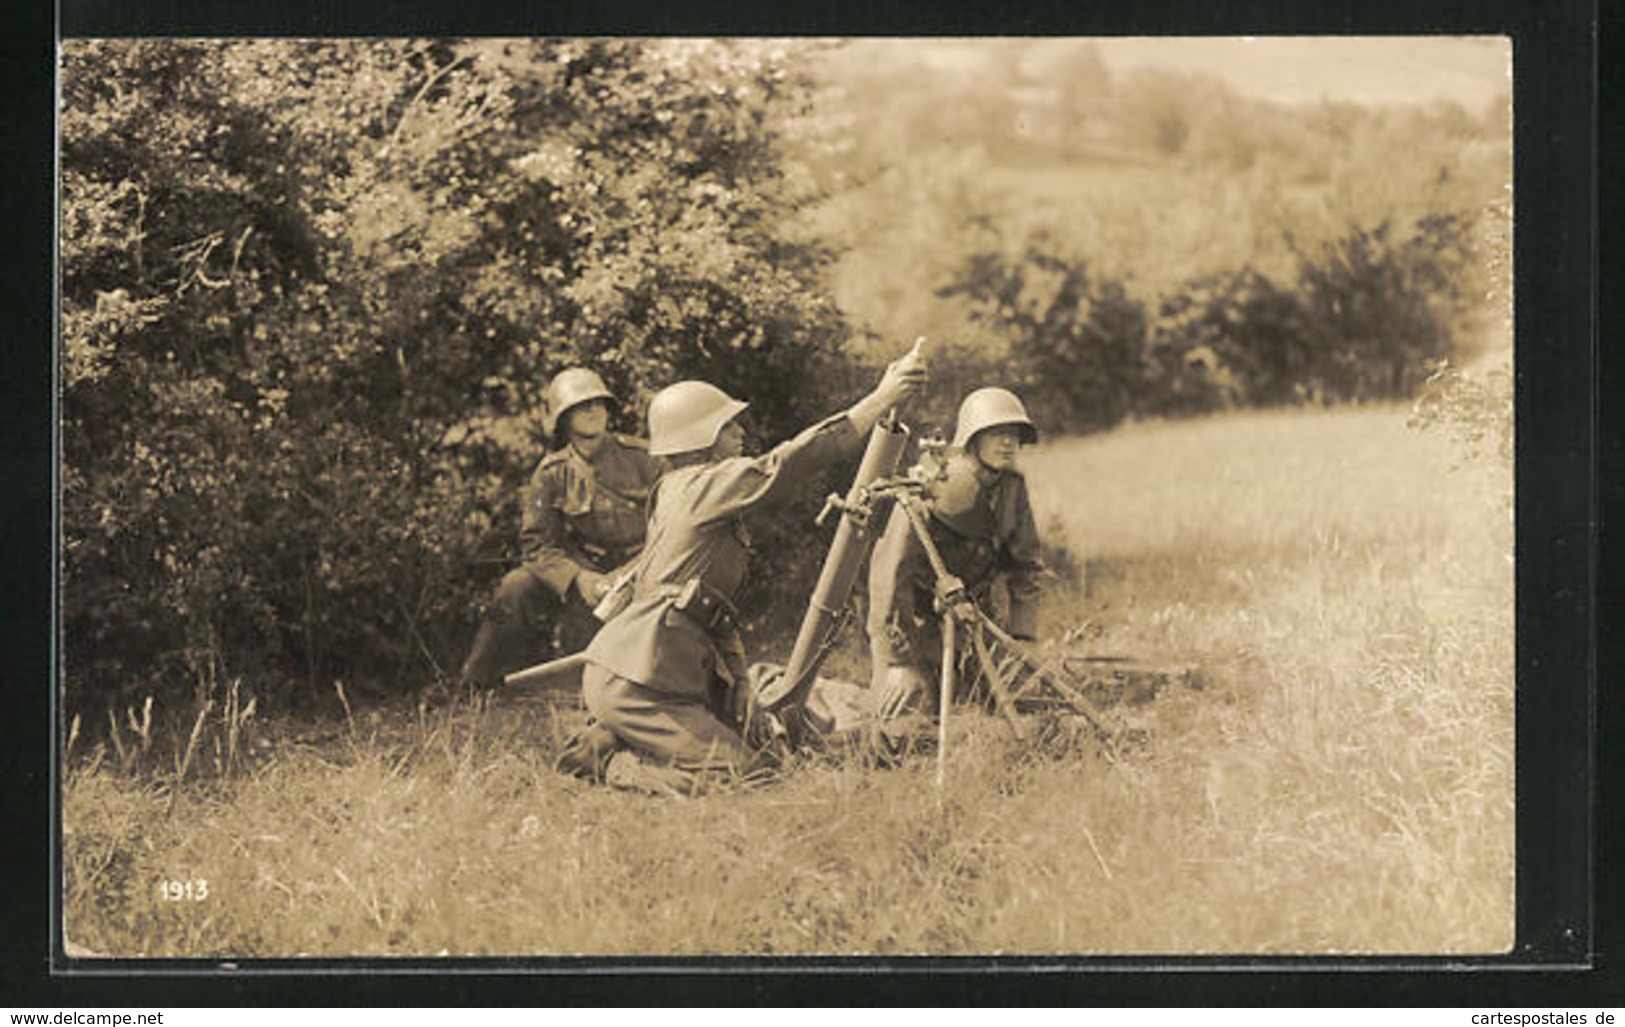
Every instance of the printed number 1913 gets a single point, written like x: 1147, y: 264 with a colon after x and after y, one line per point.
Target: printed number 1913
x: 192, y: 890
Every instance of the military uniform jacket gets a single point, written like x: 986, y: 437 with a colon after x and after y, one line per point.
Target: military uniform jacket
x: 697, y: 533
x: 982, y: 523
x: 582, y: 513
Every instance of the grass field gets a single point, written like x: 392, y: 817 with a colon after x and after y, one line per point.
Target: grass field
x: 1342, y: 782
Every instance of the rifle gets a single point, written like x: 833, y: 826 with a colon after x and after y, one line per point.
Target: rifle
x: 560, y: 675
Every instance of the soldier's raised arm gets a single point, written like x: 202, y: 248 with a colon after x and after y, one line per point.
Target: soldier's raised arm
x: 738, y: 484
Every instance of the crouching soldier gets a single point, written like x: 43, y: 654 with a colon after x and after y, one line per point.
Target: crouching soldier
x: 981, y: 522
x: 583, y: 518
x: 666, y: 678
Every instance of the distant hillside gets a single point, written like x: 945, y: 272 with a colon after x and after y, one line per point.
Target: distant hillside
x: 926, y: 154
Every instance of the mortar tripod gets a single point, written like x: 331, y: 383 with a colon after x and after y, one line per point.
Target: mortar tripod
x: 1017, y: 679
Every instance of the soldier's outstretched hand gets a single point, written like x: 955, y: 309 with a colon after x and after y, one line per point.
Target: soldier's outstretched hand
x: 905, y: 377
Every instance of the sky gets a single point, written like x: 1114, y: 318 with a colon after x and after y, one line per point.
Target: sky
x: 1471, y: 70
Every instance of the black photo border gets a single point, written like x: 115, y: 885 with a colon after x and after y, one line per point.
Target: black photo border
x: 1567, y: 949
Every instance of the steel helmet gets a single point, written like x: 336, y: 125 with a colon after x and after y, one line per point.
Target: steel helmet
x: 570, y: 388
x: 991, y: 408
x: 689, y: 416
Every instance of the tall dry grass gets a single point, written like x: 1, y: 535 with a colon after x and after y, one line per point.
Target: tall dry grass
x: 1343, y: 782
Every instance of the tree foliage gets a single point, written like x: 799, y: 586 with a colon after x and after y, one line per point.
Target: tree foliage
x: 1364, y: 318
x: 1076, y: 340
x: 312, y: 292
x: 1154, y: 177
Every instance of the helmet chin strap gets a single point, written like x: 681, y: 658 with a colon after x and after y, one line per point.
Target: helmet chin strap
x: 717, y: 449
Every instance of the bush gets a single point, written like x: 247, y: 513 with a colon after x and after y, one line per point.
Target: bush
x: 1076, y: 341
x: 1228, y: 340
x: 1364, y: 319
x: 1373, y: 308
x: 1476, y: 410
x: 312, y: 292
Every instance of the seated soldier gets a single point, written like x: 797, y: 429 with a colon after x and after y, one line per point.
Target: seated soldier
x: 583, y: 518
x: 982, y: 524
x: 666, y: 679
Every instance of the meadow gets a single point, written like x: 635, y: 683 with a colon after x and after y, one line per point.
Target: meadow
x: 1341, y: 782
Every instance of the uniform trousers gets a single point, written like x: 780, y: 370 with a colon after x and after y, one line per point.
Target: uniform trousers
x: 684, y: 737
x: 525, y: 624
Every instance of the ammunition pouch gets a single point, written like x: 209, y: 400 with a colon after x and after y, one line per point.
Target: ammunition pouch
x: 617, y: 599
x: 706, y: 607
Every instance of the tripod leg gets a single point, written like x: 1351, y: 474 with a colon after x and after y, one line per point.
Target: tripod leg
x: 1003, y: 701
x: 946, y: 697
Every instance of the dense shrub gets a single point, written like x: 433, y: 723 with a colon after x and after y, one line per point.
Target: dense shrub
x: 1364, y: 319
x: 1376, y: 308
x: 312, y: 292
x: 1076, y: 340
x: 1226, y: 340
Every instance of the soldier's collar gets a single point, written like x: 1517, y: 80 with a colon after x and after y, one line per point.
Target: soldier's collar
x: 575, y: 450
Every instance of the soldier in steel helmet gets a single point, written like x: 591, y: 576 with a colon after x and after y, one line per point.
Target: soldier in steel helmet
x: 583, y: 518
x: 981, y: 521
x: 666, y: 677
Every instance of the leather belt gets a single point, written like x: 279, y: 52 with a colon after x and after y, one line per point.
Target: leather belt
x: 704, y: 606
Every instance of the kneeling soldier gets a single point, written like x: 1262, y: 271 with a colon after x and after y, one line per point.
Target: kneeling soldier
x: 583, y: 518
x: 981, y: 521
x: 666, y: 676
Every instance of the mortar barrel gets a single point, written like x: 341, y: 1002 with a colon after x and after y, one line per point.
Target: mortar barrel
x: 846, y: 554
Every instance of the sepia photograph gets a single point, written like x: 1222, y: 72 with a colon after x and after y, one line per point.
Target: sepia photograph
x: 645, y: 497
